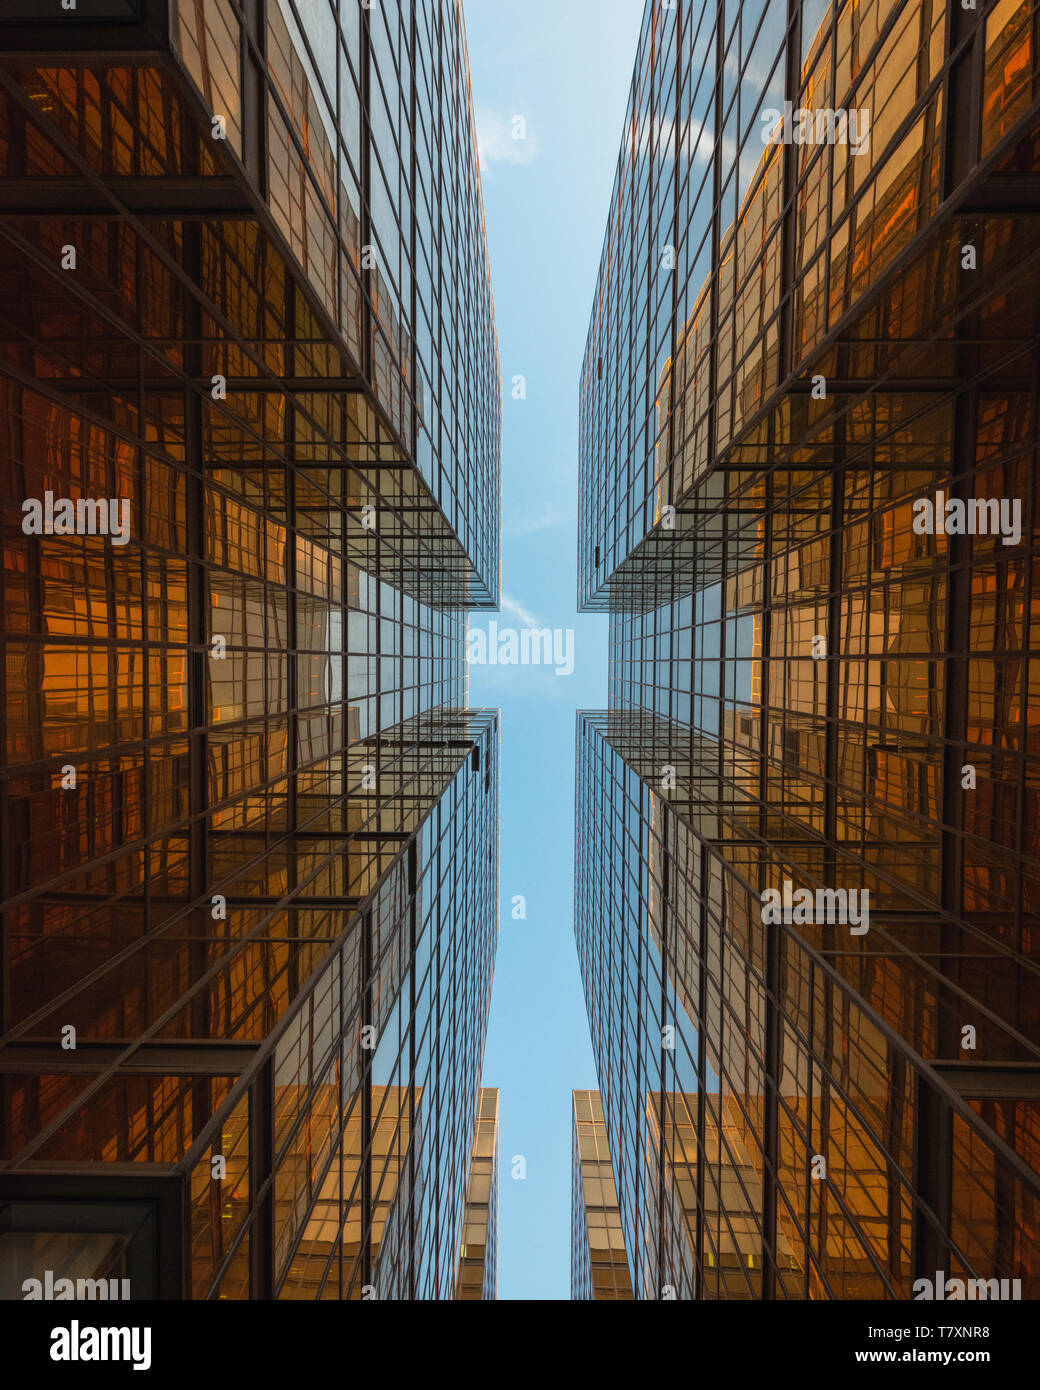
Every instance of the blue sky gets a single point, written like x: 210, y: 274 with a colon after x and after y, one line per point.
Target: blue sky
x: 565, y: 67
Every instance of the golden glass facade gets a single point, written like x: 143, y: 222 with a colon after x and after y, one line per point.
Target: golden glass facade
x: 478, y: 1249
x: 249, y: 879
x: 806, y: 685
x: 599, y: 1268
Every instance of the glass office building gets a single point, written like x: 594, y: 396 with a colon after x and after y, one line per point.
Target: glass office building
x: 808, y: 880
x: 478, y: 1252
x: 250, y: 457
x: 599, y: 1266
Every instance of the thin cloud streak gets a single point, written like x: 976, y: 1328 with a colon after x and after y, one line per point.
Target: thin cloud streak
x: 495, y: 141
x: 516, y: 610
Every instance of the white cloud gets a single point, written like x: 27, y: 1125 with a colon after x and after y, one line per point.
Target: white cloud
x: 497, y: 141
x: 516, y: 610
x: 696, y: 140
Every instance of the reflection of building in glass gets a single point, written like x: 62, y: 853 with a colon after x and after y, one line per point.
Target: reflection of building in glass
x: 599, y: 1264
x: 803, y: 686
x: 599, y: 1269
x: 478, y: 1249
x: 249, y: 828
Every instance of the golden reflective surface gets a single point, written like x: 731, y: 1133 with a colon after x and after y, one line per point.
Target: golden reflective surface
x: 806, y: 686
x: 249, y: 827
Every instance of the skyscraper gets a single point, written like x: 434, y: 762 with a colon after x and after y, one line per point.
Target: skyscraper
x: 250, y: 472
x: 478, y: 1251
x: 808, y: 880
x: 599, y: 1267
